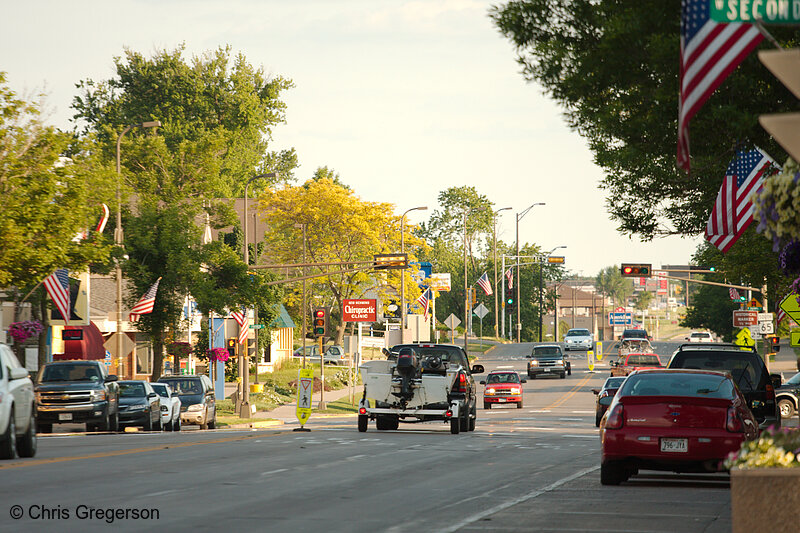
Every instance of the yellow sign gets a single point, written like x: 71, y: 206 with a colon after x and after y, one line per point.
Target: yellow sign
x: 305, y: 386
x: 791, y: 307
x: 598, y: 347
x: 744, y: 339
x: 590, y: 357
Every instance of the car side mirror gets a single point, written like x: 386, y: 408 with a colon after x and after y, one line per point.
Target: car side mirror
x: 616, y: 346
x: 776, y: 379
x: 482, y: 382
x: 529, y: 356
x: 478, y: 369
x: 605, y: 400
x: 110, y: 378
x: 152, y: 395
x: 18, y: 373
x: 523, y: 380
x: 596, y: 391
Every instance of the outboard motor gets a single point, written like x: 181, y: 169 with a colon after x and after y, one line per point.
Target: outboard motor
x: 407, y: 367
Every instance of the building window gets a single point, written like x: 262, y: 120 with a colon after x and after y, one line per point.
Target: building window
x: 144, y: 358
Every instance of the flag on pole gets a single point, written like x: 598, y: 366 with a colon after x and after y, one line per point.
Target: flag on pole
x: 145, y: 304
x: 779, y: 317
x: 483, y: 281
x: 57, y: 286
x: 710, y: 51
x: 733, y: 210
x: 243, y: 320
x: 103, y: 220
x: 423, y: 301
x: 510, y: 278
x: 734, y: 294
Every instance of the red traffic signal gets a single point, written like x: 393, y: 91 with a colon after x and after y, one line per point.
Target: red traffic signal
x: 320, y: 322
x: 635, y: 270
x: 775, y: 344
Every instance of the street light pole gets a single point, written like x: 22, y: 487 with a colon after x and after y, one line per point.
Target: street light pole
x: 403, y: 272
x: 540, y: 296
x: 466, y: 286
x: 519, y: 304
x: 494, y: 247
x: 118, y: 238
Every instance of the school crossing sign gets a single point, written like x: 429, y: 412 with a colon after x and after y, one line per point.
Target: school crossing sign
x: 305, y: 386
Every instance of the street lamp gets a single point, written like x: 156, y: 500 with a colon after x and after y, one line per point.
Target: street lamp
x: 494, y: 247
x: 518, y: 302
x: 118, y: 236
x: 540, y: 295
x: 466, y: 286
x: 403, y: 272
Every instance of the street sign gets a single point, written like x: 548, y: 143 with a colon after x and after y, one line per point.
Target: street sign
x: 791, y: 307
x: 765, y: 328
x: 755, y: 332
x: 452, y: 321
x: 744, y: 339
x: 620, y: 319
x: 747, y: 11
x: 257, y: 326
x: 440, y: 281
x: 742, y: 319
x: 598, y: 347
x: 305, y: 386
x: 590, y: 357
x: 795, y: 338
x: 555, y: 259
x: 481, y: 311
x: 359, y: 310
x: 111, y: 345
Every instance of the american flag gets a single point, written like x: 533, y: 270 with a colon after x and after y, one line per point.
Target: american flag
x: 710, y: 51
x: 779, y: 317
x: 57, y: 286
x: 510, y: 277
x: 145, y: 304
x: 423, y: 301
x: 733, y: 210
x: 734, y: 294
x: 103, y: 219
x: 243, y: 320
x: 483, y: 281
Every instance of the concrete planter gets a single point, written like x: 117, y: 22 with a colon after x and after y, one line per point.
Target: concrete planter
x: 765, y: 499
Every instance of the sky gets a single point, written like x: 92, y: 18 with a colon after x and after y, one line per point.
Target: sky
x: 403, y: 99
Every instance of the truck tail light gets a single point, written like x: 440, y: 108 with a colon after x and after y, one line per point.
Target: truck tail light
x: 770, y: 392
x: 733, y: 423
x: 615, y: 417
x: 448, y: 414
x: 362, y: 410
x: 461, y: 384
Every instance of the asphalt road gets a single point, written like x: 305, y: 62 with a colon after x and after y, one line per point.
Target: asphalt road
x: 530, y: 469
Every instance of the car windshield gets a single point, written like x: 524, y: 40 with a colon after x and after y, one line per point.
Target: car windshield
x: 578, y: 333
x: 131, y: 390
x: 613, y: 383
x: 700, y: 335
x: 794, y: 380
x: 186, y: 387
x: 678, y: 384
x: 635, y: 334
x: 506, y: 377
x: 643, y: 359
x: 161, y: 389
x: 547, y: 352
x: 747, y: 369
x: 73, y: 372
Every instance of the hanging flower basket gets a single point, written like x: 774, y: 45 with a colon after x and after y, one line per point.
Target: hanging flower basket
x: 217, y: 354
x: 22, y: 331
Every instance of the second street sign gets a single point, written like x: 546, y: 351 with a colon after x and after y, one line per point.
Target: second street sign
x: 769, y: 11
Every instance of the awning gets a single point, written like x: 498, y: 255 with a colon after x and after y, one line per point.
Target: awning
x: 82, y: 342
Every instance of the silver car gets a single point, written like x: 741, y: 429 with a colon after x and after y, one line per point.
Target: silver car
x: 17, y: 420
x: 578, y: 339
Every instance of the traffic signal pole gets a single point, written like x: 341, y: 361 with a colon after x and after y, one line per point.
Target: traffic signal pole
x: 321, y: 405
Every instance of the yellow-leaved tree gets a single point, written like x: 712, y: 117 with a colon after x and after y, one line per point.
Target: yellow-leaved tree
x: 340, y: 228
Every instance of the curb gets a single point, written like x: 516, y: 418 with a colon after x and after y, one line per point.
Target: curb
x: 264, y: 424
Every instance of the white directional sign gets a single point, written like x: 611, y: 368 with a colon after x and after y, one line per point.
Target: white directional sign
x: 481, y: 311
x: 452, y: 321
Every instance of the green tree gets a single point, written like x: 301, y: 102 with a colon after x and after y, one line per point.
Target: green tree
x: 643, y: 300
x: 711, y: 309
x: 610, y: 282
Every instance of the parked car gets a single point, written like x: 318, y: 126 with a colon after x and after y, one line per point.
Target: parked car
x: 635, y: 361
x: 578, y: 339
x: 139, y: 405
x: 747, y: 369
x: 170, y: 407
x: 673, y: 420
x: 502, y: 387
x: 604, y: 396
x: 548, y: 359
x: 699, y: 336
x: 17, y: 410
x: 333, y: 354
x: 77, y: 391
x: 198, y: 401
x: 788, y: 397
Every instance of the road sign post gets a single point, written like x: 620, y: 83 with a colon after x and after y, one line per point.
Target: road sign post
x: 305, y: 388
x: 452, y: 322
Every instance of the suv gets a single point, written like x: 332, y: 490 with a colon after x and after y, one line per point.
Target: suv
x: 77, y: 392
x: 747, y: 369
x: 700, y: 336
x: 198, y: 402
x: 547, y: 359
x: 578, y: 339
x: 635, y: 334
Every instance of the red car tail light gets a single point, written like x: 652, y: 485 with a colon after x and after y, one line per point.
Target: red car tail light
x: 770, y: 392
x: 733, y: 423
x: 615, y: 417
x: 448, y: 414
x: 461, y: 386
x: 362, y: 410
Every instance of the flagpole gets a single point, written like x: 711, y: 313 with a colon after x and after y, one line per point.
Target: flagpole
x: 33, y: 289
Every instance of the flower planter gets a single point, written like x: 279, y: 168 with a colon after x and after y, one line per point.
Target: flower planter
x: 765, y: 499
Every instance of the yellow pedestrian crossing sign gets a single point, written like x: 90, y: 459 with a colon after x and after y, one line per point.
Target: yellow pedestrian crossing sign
x: 598, y: 347
x: 305, y: 387
x: 590, y: 358
x: 744, y: 339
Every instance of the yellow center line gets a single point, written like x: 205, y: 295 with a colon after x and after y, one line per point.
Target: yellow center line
x: 37, y: 462
x: 571, y: 393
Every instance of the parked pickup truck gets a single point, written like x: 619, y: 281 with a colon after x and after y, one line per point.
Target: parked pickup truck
x: 79, y: 392
x: 419, y: 382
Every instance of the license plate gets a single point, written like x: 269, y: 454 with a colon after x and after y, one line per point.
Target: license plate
x: 547, y: 370
x: 501, y: 400
x: 65, y: 416
x: 675, y: 445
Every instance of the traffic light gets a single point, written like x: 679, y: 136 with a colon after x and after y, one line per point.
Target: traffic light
x: 783, y: 127
x: 510, y: 304
x: 320, y: 321
x: 635, y: 270
x: 232, y: 347
x: 775, y: 344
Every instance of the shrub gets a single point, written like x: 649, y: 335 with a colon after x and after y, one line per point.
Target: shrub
x: 774, y: 448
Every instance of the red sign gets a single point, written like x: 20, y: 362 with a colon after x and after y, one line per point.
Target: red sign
x: 742, y: 319
x: 359, y: 311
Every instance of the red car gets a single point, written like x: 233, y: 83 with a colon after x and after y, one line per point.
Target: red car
x: 502, y: 386
x: 635, y: 361
x: 673, y: 420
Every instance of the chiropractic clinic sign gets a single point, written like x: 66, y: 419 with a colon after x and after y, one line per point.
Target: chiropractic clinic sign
x: 359, y: 311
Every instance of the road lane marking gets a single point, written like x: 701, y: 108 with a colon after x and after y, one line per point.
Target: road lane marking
x: 525, y: 497
x: 571, y: 393
x: 274, y: 471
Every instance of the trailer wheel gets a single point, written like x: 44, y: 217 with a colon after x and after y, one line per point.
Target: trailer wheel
x: 455, y: 426
x: 363, y: 420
